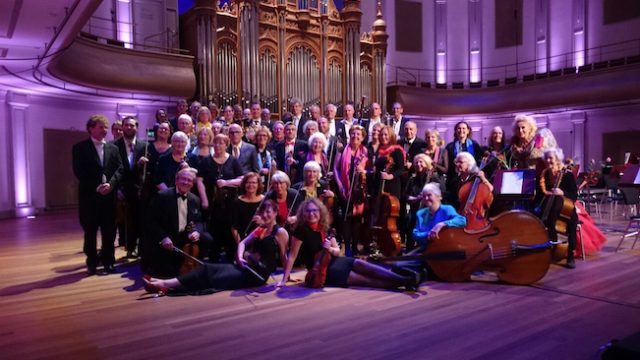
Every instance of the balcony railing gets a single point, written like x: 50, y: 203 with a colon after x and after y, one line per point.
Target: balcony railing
x: 602, y: 57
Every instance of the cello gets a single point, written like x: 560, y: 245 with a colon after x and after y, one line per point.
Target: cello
x: 477, y: 200
x: 514, y: 245
x: 384, y: 215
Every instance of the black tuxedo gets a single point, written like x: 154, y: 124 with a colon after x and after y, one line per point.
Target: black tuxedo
x: 97, y: 211
x: 163, y: 223
x: 248, y: 158
x: 303, y: 120
x: 341, y: 131
x: 300, y: 149
x: 416, y: 147
x: 129, y: 186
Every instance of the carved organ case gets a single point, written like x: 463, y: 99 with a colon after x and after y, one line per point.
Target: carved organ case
x: 274, y: 50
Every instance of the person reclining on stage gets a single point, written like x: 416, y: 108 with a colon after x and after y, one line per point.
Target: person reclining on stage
x: 433, y: 217
x: 176, y: 219
x: 252, y: 268
x: 310, y: 236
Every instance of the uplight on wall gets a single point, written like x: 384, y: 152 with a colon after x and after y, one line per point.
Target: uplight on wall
x: 125, y: 30
x: 474, y: 61
x: 441, y: 66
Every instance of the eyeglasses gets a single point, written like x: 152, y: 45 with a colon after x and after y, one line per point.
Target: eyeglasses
x: 312, y: 211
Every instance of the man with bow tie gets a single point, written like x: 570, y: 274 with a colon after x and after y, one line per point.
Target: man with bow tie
x: 98, y: 167
x: 175, y: 220
x: 290, y: 151
x: 398, y: 122
x: 131, y: 149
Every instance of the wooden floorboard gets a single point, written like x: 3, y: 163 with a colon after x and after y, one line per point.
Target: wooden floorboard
x: 51, y: 309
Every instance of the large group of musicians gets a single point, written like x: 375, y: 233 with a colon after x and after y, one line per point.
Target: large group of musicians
x: 252, y: 193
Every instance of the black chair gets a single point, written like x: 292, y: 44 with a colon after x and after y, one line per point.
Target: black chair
x: 631, y: 199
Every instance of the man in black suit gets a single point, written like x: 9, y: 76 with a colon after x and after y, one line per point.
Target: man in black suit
x: 343, y: 127
x: 175, y: 220
x: 367, y: 124
x: 98, y: 167
x: 131, y: 150
x: 412, y: 144
x: 246, y: 153
x: 290, y: 151
x: 398, y: 122
x: 297, y: 117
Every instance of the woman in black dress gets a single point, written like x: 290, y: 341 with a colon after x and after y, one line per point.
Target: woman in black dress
x: 244, y: 207
x: 168, y: 164
x: 554, y: 174
x: 310, y: 237
x: 218, y: 179
x: 388, y: 167
x: 263, y: 246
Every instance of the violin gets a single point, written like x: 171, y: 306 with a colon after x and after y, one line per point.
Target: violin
x: 191, y: 252
x: 357, y: 192
x: 477, y: 200
x: 317, y: 275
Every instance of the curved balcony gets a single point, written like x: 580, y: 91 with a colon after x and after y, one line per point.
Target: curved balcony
x: 595, y: 87
x: 110, y: 66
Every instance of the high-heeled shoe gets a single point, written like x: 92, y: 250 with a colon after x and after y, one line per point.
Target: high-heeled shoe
x: 153, y: 288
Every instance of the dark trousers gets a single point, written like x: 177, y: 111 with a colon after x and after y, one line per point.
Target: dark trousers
x: 97, y: 212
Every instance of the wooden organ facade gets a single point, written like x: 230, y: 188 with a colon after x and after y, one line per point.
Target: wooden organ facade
x: 274, y: 50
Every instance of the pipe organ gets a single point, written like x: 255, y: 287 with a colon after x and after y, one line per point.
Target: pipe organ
x: 273, y: 50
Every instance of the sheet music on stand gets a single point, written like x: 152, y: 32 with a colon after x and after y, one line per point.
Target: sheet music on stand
x: 515, y: 188
x: 631, y: 177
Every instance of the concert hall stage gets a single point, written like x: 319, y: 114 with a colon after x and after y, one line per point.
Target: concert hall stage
x: 51, y: 309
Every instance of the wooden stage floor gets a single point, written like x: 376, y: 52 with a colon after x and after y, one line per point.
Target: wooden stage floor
x: 51, y: 309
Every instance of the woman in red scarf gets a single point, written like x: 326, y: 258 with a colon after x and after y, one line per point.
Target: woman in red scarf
x: 349, y: 170
x: 388, y: 168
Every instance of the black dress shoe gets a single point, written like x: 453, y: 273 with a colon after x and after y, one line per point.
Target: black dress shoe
x: 132, y: 254
x: 413, y: 277
x: 571, y: 264
x: 91, y: 271
x: 109, y: 269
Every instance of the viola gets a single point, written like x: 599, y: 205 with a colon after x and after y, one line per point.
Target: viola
x: 317, y: 275
x: 514, y: 245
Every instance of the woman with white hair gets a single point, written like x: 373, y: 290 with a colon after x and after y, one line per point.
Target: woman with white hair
x: 555, y: 181
x: 527, y: 145
x: 434, y: 216
x: 317, y: 143
x: 476, y: 209
x: 169, y: 163
x: 313, y: 186
x: 285, y: 197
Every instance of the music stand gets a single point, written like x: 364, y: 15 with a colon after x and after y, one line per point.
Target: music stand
x: 515, y: 186
x: 631, y: 177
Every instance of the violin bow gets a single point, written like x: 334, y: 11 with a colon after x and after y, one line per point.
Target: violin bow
x: 353, y: 180
x: 187, y: 255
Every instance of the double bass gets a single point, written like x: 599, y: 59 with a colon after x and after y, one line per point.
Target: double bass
x: 514, y: 245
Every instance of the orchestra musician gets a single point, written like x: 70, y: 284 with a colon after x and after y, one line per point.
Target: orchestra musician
x: 462, y: 142
x: 259, y: 250
x: 433, y: 217
x: 98, y: 168
x: 244, y: 207
x: 350, y: 178
x: 265, y: 158
x: 425, y: 172
x: 496, y: 147
x: 317, y: 144
x: 285, y: 197
x: 526, y: 145
x: 553, y: 174
x: 434, y: 149
x: 169, y: 163
x: 289, y: 151
x: 218, y: 178
x: 172, y: 210
x: 389, y: 166
x: 313, y: 186
x: 310, y: 236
